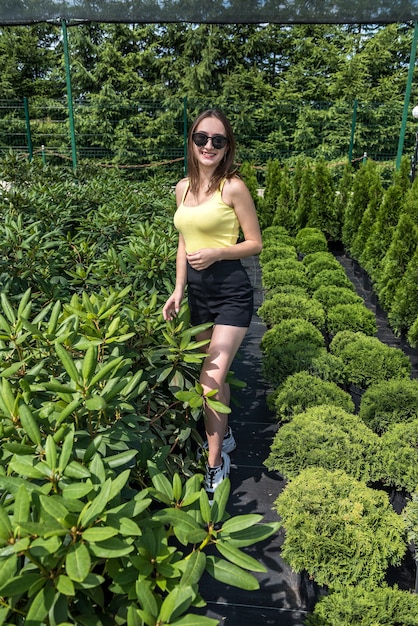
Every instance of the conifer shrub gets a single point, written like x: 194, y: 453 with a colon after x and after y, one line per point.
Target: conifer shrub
x: 281, y: 306
x: 323, y: 214
x: 329, y: 437
x: 305, y: 197
x: 388, y: 402
x: 404, y: 308
x: 336, y: 277
x: 277, y: 234
x: 310, y: 240
x: 323, y: 262
x: 355, y: 317
x: 276, y: 250
x: 362, y: 185
x: 288, y: 347
x: 356, y: 606
x: 368, y: 360
x: 267, y: 204
x: 331, y: 295
x: 338, y: 530
x: 285, y: 215
x: 284, y: 273
x: 303, y: 390
x: 412, y: 336
x: 396, y: 259
x: 400, y: 455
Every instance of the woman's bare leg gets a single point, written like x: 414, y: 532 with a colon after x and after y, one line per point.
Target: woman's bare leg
x: 223, y: 346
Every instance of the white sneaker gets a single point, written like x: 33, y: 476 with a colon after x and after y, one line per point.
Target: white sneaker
x: 215, y: 475
x: 228, y: 444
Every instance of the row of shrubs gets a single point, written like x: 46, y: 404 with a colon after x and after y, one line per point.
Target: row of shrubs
x: 347, y: 410
x: 370, y: 210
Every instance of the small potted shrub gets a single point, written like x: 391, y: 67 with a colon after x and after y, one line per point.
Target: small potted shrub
x: 310, y: 240
x: 288, y: 347
x: 338, y: 530
x: 336, y: 277
x: 303, y: 390
x: 276, y: 250
x: 400, y: 455
x: 388, y: 402
x: 368, y: 360
x: 330, y: 295
x: 355, y: 317
x: 282, y: 306
x: 326, y: 436
x: 357, y: 606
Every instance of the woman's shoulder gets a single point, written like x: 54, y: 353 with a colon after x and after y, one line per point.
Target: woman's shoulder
x: 181, y: 188
x: 234, y: 186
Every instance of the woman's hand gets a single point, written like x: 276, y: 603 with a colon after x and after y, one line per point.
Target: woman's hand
x: 172, y: 306
x: 201, y: 259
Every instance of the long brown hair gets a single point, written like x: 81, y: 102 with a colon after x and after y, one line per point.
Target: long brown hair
x: 225, y: 168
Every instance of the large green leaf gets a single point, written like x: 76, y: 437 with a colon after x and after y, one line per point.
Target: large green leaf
x: 40, y: 606
x: 77, y: 562
x: 195, y: 566
x: 241, y: 559
x: 146, y: 598
x: 230, y: 574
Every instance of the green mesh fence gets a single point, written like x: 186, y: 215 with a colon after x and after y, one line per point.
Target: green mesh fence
x: 214, y: 11
x: 152, y: 134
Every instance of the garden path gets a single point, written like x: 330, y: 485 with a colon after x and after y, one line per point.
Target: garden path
x: 281, y: 599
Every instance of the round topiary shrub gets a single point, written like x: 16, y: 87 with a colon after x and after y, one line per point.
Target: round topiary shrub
x: 335, y: 277
x: 356, y: 606
x: 331, y: 295
x: 326, y: 436
x: 355, y: 317
x: 388, y: 402
x: 368, y: 360
x: 290, y: 272
x: 325, y: 262
x: 338, y: 530
x: 303, y: 390
x: 289, y: 347
x: 281, y: 306
x: 277, y: 234
x: 400, y: 455
x: 319, y: 257
x: 310, y: 240
x: 276, y: 251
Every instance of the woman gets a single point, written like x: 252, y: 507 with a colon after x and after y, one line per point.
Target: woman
x: 213, y: 204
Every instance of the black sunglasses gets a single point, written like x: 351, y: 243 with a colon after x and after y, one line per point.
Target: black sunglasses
x: 201, y: 139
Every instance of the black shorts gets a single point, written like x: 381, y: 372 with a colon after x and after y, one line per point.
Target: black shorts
x: 222, y: 294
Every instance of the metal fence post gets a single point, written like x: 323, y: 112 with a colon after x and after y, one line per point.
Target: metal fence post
x: 28, y: 133
x: 69, y: 94
x: 407, y: 96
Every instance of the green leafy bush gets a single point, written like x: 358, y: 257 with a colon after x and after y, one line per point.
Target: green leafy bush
x: 303, y: 390
x: 95, y: 549
x: 323, y: 261
x: 413, y: 334
x: 355, y: 606
x: 338, y: 530
x: 400, y: 455
x: 277, y: 277
x: 281, y: 306
x: 276, y: 251
x: 355, y: 317
x: 388, y: 402
x: 310, y: 240
x: 336, y: 277
x: 368, y: 360
x: 330, y: 295
x: 277, y: 234
x: 289, y: 347
x: 404, y: 308
x: 326, y: 436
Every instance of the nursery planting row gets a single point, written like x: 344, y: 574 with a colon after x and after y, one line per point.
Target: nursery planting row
x: 344, y: 456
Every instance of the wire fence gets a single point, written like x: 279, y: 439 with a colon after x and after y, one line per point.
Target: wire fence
x: 153, y: 134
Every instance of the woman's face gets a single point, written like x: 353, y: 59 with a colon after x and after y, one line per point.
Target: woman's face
x: 207, y: 155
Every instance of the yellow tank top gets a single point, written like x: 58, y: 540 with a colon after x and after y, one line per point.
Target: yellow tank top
x: 212, y: 224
